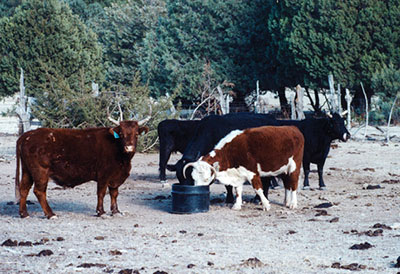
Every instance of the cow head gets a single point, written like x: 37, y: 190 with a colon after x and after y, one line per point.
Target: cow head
x: 128, y: 132
x: 203, y: 173
x: 337, y: 129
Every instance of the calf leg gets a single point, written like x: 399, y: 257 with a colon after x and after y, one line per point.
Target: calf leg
x: 239, y: 201
x: 258, y: 188
x: 101, y: 192
x: 291, y: 182
x: 113, y: 196
x: 25, y: 186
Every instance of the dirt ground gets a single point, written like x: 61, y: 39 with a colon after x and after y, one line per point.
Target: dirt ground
x: 354, y: 225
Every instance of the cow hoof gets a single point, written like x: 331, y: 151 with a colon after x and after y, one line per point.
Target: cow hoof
x: 322, y: 188
x: 165, y: 184
x: 306, y: 187
x: 292, y: 205
x: 53, y: 217
x: 266, y: 208
x: 118, y: 214
x: 236, y: 207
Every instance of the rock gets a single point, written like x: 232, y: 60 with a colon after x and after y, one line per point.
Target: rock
x: 99, y: 238
x: 253, y: 263
x: 45, y: 252
x: 361, y: 246
x: 27, y: 243
x: 191, y: 265
x: 321, y: 212
x: 324, y: 205
x: 383, y: 226
x: 115, y: 252
x: 334, y: 220
x: 373, y: 186
x: 9, y: 242
x: 89, y: 265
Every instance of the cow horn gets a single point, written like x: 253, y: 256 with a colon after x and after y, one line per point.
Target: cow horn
x: 329, y: 114
x: 213, y: 173
x: 145, y: 120
x: 344, y: 113
x: 185, y: 167
x: 110, y: 118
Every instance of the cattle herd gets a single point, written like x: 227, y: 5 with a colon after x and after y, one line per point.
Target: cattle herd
x: 232, y: 149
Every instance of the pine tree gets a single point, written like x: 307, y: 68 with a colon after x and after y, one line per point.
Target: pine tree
x: 45, y: 36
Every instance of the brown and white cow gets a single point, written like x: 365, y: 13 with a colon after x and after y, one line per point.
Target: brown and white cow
x: 248, y: 155
x: 71, y: 157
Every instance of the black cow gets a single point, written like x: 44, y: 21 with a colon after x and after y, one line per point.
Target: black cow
x: 318, y: 134
x: 210, y: 130
x: 174, y: 136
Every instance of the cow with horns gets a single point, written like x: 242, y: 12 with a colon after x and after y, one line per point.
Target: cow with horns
x: 248, y: 155
x: 71, y: 157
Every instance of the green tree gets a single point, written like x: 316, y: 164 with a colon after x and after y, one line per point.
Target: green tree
x: 45, y: 37
x: 121, y: 30
x: 350, y: 39
x: 228, y: 35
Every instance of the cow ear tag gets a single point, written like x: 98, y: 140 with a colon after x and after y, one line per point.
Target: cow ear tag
x: 116, y: 136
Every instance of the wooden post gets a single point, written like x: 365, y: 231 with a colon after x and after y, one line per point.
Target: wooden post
x: 390, y: 117
x: 299, y: 103
x: 366, y: 110
x: 257, y: 105
x: 22, y: 109
x: 339, y: 99
x: 292, y: 95
x: 332, y: 98
x: 348, y: 100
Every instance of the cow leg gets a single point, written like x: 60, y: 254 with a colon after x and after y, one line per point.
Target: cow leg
x: 25, y: 186
x: 101, y: 192
x: 229, y: 195
x: 291, y: 182
x: 322, y: 185
x: 306, y: 169
x: 258, y: 188
x: 113, y: 196
x: 40, y: 189
x: 239, y: 201
x: 164, y: 157
x: 266, y: 183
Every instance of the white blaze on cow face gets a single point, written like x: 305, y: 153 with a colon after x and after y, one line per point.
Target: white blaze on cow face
x: 202, y: 174
x: 129, y: 148
x: 285, y: 169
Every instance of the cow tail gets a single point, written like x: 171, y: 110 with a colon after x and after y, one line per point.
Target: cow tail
x: 17, y: 188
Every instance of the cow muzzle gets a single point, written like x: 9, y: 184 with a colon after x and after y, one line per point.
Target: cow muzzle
x: 129, y: 149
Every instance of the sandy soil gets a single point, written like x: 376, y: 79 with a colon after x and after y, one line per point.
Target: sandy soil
x: 363, y: 180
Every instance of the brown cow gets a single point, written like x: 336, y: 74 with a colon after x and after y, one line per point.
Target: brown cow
x: 71, y: 157
x: 248, y: 155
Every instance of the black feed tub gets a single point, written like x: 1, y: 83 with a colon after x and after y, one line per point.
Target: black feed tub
x: 190, y: 199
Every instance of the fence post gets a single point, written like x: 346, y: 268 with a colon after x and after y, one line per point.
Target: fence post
x: 348, y: 100
x: 22, y: 109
